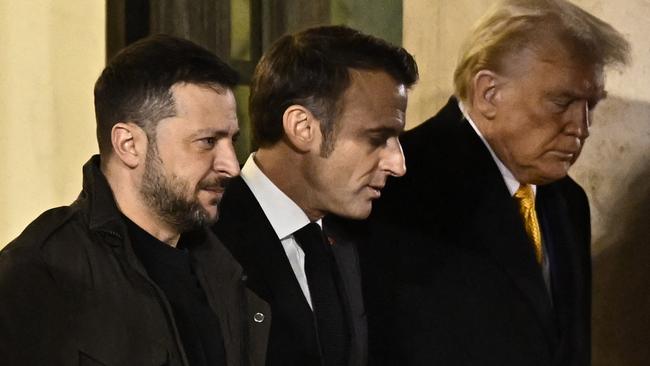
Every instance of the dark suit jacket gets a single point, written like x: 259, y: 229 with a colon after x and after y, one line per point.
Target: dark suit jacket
x: 246, y: 231
x: 449, y: 274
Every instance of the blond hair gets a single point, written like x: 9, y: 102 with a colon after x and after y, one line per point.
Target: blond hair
x: 512, y: 25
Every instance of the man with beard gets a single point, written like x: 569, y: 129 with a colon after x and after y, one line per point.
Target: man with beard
x: 128, y: 274
x: 327, y: 105
x: 488, y: 259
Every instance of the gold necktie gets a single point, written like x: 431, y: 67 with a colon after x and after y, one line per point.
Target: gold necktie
x: 526, y: 199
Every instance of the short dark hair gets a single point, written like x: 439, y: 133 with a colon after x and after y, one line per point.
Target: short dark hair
x: 311, y: 68
x: 136, y: 84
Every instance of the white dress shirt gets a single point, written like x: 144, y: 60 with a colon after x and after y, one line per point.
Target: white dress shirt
x: 284, y: 215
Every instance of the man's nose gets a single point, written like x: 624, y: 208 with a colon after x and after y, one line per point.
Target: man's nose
x: 225, y: 161
x: 393, y: 162
x: 580, y: 121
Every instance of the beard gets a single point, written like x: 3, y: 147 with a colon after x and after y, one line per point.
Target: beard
x: 168, y: 196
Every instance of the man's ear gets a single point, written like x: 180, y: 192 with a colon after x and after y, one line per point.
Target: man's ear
x: 301, y: 128
x: 129, y: 143
x: 486, y: 95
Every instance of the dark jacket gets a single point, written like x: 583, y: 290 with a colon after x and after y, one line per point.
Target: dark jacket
x: 245, y: 229
x: 451, y: 276
x: 72, y: 292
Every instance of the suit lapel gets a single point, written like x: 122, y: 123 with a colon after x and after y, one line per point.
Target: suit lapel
x: 217, y: 272
x: 495, y: 217
x: 511, y: 249
x: 566, y: 272
x: 276, y: 270
x: 260, y: 252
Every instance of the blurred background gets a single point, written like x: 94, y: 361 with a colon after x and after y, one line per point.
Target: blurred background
x: 51, y: 53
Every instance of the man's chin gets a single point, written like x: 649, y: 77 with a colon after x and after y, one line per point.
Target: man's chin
x: 212, y: 220
x: 356, y: 213
x: 199, y: 218
x: 549, y: 177
x: 211, y: 214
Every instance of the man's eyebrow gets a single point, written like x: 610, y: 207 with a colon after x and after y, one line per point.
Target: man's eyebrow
x: 214, y: 132
x: 384, y: 130
x: 573, y: 95
x: 565, y: 94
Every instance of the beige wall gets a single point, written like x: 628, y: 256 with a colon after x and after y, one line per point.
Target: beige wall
x: 50, y: 54
x: 52, y: 51
x: 614, y: 168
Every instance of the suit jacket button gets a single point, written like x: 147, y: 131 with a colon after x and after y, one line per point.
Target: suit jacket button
x: 258, y: 317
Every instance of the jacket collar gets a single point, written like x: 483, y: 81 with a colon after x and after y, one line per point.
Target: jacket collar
x: 102, y: 212
x: 104, y: 215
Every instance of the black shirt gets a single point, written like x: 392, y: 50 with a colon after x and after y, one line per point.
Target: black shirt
x: 171, y: 269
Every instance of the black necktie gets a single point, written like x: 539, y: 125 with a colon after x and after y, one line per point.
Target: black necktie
x: 321, y: 274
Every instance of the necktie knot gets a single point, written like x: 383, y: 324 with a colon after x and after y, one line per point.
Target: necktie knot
x: 310, y: 238
x: 525, y: 196
x: 526, y: 199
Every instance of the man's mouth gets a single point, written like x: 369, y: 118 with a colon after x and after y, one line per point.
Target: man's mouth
x: 564, y: 154
x: 215, y: 185
x: 375, y: 191
x: 216, y: 190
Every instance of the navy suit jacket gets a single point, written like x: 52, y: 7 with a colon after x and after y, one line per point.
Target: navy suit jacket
x: 247, y: 233
x: 450, y: 276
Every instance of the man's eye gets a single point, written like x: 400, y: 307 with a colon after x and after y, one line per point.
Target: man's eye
x: 208, y: 142
x: 562, y: 103
x: 378, y: 140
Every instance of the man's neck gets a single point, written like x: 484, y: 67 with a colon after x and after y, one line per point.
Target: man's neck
x: 152, y: 225
x: 283, y: 169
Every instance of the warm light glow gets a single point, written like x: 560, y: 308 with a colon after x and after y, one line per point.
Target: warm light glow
x: 52, y: 52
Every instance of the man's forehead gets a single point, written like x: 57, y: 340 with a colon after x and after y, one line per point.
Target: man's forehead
x: 374, y: 86
x: 583, y: 80
x: 558, y: 65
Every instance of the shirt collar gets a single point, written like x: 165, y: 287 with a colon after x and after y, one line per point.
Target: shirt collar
x: 282, y: 212
x: 508, y: 177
